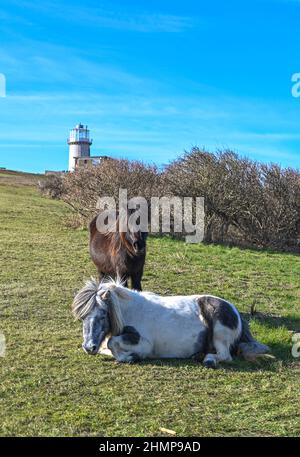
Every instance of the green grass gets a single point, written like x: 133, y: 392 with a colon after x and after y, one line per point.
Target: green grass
x: 50, y: 387
x: 17, y: 178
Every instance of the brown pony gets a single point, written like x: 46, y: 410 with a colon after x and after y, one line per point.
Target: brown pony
x: 119, y: 254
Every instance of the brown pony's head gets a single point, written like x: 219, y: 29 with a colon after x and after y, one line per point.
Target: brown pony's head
x: 135, y: 242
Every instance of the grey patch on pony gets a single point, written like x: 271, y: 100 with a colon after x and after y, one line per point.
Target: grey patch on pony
x: 130, y: 335
x: 226, y: 315
x: 134, y: 357
x: 202, y: 345
x: 213, y: 309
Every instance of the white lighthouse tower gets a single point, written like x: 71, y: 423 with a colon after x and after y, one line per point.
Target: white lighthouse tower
x: 79, y: 145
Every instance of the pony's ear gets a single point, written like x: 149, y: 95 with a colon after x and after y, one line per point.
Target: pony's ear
x: 105, y: 296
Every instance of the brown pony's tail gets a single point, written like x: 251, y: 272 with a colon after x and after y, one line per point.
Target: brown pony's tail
x: 249, y: 348
x: 117, y: 241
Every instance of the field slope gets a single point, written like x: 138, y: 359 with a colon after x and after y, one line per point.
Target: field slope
x: 48, y: 386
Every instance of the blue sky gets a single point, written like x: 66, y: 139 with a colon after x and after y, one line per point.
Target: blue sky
x: 150, y: 78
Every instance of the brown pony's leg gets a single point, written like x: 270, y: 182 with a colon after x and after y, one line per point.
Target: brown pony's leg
x: 101, y: 275
x: 136, y: 281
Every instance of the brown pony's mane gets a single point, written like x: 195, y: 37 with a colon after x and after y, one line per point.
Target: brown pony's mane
x: 118, y: 253
x: 118, y: 239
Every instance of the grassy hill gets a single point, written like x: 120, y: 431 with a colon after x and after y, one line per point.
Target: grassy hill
x: 18, y: 178
x: 50, y: 387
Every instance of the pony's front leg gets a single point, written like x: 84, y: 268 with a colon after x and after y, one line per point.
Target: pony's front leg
x: 130, y: 346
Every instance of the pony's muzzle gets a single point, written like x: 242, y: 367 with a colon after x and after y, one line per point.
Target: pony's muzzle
x: 90, y: 348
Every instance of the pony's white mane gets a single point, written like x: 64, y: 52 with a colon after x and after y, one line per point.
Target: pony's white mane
x: 119, y: 296
x: 85, y: 299
x: 94, y: 293
x: 108, y: 282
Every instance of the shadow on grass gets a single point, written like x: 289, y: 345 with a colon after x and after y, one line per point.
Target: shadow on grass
x: 237, y: 365
x: 280, y: 350
x: 291, y: 323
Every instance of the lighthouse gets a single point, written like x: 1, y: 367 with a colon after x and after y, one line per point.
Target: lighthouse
x: 79, y: 145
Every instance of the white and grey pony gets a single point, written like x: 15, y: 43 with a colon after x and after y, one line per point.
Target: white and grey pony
x: 144, y: 325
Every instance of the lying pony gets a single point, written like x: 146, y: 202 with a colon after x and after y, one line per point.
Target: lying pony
x: 143, y: 325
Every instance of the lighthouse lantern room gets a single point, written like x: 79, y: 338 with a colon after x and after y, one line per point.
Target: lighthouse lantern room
x: 79, y: 145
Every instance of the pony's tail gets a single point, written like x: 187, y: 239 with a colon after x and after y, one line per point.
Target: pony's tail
x: 85, y: 299
x: 249, y: 347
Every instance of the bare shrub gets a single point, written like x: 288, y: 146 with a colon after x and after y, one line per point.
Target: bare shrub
x: 279, y: 210
x: 52, y: 186
x: 246, y: 202
x: 83, y: 187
